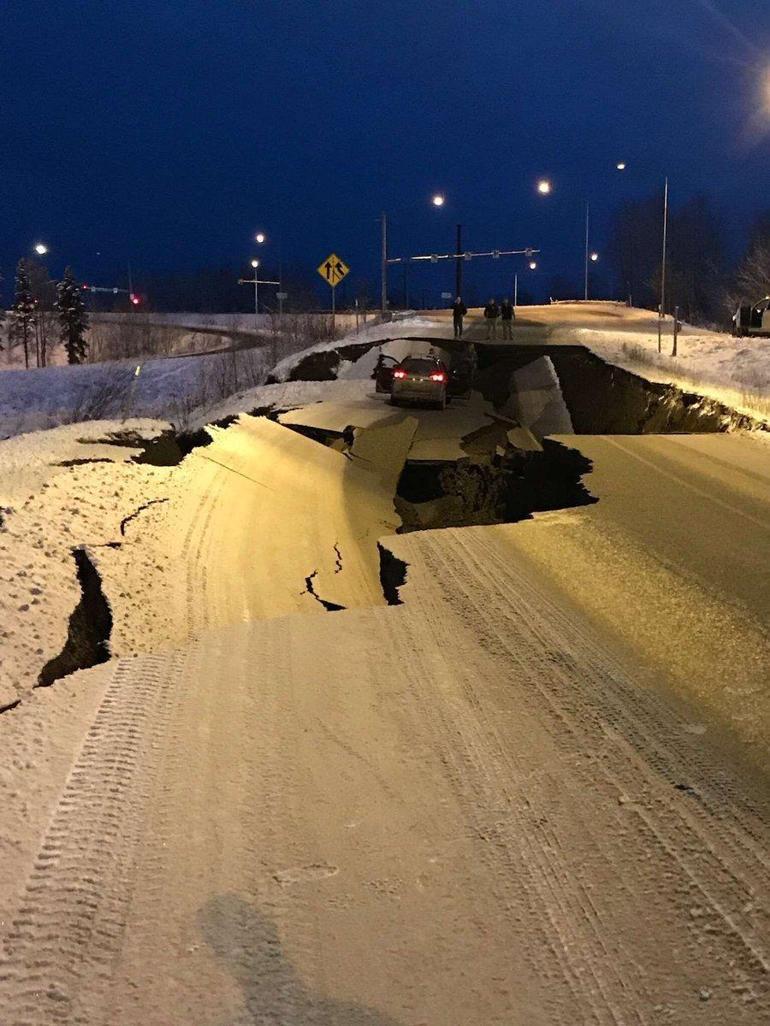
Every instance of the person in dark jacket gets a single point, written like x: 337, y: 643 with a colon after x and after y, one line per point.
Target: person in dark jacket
x: 507, y: 316
x: 459, y: 310
x: 491, y: 315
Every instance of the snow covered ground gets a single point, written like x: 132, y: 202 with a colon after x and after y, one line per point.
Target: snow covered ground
x: 734, y: 371
x: 168, y: 389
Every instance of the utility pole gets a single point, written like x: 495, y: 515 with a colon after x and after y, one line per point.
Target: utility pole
x: 459, y: 262
x: 516, y: 290
x: 384, y: 258
x: 662, y: 310
x: 588, y: 221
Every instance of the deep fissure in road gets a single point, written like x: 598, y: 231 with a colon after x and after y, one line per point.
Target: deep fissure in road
x: 89, y: 630
x: 393, y: 573
x: 508, y: 488
x: 604, y: 399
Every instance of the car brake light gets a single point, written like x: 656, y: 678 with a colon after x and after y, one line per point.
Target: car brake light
x: 438, y: 377
x: 399, y: 374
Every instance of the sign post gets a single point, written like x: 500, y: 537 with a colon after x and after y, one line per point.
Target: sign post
x: 333, y: 270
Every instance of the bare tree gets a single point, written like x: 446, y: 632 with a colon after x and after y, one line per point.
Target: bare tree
x: 752, y: 278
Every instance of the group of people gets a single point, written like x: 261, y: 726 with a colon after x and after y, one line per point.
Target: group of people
x: 493, y: 313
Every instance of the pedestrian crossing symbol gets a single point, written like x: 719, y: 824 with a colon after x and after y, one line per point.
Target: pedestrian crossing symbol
x: 333, y: 270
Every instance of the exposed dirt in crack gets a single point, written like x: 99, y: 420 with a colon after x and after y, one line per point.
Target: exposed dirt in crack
x: 83, y: 461
x: 507, y: 489
x: 392, y: 575
x: 330, y: 607
x: 90, y: 626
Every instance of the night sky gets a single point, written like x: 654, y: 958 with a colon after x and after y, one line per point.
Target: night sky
x: 167, y: 132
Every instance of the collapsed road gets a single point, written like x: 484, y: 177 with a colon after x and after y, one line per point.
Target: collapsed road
x: 515, y: 777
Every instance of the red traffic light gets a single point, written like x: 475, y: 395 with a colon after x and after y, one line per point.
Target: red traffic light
x: 136, y: 300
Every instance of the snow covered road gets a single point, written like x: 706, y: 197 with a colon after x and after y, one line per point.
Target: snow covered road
x: 533, y: 794
x: 458, y: 810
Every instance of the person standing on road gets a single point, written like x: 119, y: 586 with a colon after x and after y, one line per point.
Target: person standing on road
x: 491, y: 314
x: 459, y: 310
x: 507, y: 316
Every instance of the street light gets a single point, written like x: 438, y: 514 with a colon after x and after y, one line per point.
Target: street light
x: 260, y: 237
x: 255, y: 265
x: 438, y: 200
x: 533, y: 265
x: 544, y: 187
x: 594, y: 257
x: 621, y: 165
x: 41, y: 249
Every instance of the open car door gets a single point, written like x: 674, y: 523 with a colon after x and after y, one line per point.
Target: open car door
x: 383, y: 373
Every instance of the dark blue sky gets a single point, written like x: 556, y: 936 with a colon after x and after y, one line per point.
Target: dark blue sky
x: 167, y: 132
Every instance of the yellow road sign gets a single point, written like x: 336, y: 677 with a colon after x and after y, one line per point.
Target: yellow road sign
x: 333, y: 270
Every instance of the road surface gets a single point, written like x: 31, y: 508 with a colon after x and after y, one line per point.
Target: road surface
x: 470, y: 808
x: 533, y: 794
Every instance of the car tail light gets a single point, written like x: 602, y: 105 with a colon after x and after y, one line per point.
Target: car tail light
x: 438, y: 376
x: 399, y: 373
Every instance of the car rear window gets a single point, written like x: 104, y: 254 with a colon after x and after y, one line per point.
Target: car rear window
x: 417, y: 366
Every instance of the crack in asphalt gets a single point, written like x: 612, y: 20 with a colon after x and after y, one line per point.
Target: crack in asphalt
x: 330, y: 607
x: 141, y: 509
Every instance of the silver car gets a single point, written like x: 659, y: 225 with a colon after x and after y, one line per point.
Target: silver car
x: 420, y: 379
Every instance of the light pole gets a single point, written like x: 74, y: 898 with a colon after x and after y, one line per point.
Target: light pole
x: 545, y: 188
x: 255, y: 265
x: 662, y: 310
x: 437, y: 200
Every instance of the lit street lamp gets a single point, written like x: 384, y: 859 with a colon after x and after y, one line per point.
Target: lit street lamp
x: 41, y: 249
x: 544, y: 187
x: 255, y: 265
x: 259, y: 237
x: 438, y: 200
x: 594, y: 257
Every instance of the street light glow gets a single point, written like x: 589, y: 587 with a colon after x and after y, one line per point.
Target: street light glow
x: 260, y: 237
x: 621, y: 165
x: 533, y: 265
x: 594, y: 257
x: 41, y: 249
x: 255, y: 264
x: 438, y: 200
x: 544, y: 187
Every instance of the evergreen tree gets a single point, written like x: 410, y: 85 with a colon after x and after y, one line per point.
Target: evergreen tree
x: 72, y: 318
x: 23, y: 310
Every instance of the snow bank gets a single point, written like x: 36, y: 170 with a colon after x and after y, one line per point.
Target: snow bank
x: 163, y: 389
x: 29, y: 461
x: 733, y: 371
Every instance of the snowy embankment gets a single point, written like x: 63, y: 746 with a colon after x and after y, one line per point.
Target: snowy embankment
x: 166, y: 389
x: 733, y: 371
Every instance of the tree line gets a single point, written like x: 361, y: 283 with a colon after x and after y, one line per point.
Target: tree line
x: 701, y: 279
x: 44, y: 312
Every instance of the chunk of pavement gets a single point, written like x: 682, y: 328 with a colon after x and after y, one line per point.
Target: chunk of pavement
x: 383, y: 449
